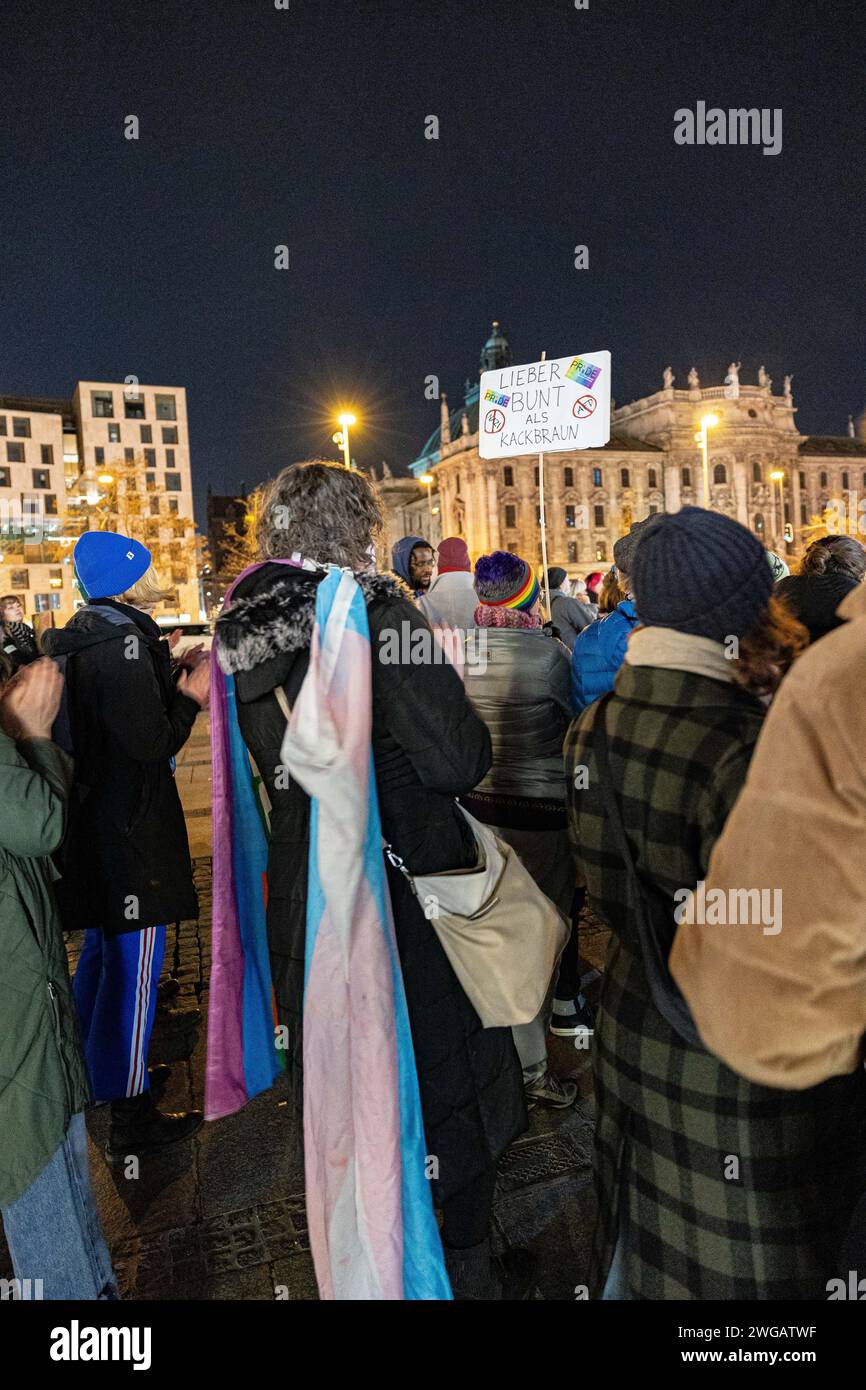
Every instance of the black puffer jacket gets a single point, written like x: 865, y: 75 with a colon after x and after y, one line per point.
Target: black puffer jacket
x: 126, y: 858
x: 428, y: 747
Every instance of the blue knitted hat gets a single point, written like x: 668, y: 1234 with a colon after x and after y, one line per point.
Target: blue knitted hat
x: 700, y: 572
x: 107, y: 564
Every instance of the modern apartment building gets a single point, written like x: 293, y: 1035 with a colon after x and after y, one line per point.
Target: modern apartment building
x: 114, y: 456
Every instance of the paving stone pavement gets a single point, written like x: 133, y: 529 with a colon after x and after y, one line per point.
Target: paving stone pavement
x: 223, y: 1216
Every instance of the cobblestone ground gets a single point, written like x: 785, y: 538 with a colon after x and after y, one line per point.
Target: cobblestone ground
x: 223, y: 1216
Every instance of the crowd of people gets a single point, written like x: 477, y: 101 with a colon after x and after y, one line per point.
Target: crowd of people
x: 682, y: 726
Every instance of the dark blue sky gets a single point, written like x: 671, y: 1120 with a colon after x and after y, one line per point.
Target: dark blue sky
x: 306, y: 127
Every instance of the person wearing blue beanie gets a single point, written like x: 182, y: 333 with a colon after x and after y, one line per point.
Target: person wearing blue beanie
x: 125, y: 859
x: 107, y: 564
x: 700, y: 572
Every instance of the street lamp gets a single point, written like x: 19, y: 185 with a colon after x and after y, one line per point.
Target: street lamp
x: 342, y: 435
x: 777, y: 476
x: 428, y: 480
x: 708, y: 422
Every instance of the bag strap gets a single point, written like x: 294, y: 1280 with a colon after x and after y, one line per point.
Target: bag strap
x: 282, y: 701
x: 654, y: 948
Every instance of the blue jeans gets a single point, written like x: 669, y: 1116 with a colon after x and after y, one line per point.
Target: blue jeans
x: 53, y: 1230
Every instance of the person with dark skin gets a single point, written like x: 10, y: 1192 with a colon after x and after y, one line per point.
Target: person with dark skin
x: 412, y: 560
x: 421, y: 567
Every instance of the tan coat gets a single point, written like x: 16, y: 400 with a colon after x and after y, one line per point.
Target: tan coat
x: 788, y: 1008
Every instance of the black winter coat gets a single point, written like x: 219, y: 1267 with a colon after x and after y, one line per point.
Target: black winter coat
x: 125, y: 861
x: 428, y: 747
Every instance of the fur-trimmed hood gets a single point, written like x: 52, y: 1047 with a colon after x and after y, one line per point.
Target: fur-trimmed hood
x: 279, y: 617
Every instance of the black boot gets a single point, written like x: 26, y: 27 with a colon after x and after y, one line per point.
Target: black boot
x: 137, y: 1127
x: 476, y: 1277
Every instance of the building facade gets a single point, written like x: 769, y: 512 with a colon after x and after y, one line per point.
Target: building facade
x: 651, y: 463
x: 113, y: 456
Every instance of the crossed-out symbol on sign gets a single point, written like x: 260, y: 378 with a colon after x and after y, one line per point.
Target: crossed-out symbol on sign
x: 583, y: 406
x: 494, y: 421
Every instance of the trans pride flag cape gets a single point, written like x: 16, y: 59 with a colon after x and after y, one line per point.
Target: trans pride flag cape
x: 242, y: 1058
x: 372, y: 1229
x: 373, y: 1233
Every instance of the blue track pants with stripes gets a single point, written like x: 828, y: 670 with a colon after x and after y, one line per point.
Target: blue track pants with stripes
x: 115, y: 993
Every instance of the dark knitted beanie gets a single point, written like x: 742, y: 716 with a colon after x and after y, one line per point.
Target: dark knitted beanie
x: 700, y: 572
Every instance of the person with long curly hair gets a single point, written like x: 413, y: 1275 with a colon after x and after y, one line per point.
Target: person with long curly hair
x: 428, y: 746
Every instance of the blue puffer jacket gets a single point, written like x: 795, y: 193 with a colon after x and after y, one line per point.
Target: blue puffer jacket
x: 598, y: 654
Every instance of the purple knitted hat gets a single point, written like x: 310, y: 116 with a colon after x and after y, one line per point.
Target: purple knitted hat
x: 503, y: 580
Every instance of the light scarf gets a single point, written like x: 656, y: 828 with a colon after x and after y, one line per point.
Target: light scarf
x: 373, y: 1233
x: 679, y: 651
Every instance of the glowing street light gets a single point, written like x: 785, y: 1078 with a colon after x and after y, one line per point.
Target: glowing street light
x: 106, y: 478
x: 708, y: 422
x: 428, y: 480
x: 342, y: 435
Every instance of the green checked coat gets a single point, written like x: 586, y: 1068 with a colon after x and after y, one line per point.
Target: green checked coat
x: 671, y: 1117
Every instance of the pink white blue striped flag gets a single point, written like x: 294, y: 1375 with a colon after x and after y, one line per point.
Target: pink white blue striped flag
x: 372, y: 1228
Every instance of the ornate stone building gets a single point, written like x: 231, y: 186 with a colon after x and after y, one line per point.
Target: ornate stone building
x: 651, y: 464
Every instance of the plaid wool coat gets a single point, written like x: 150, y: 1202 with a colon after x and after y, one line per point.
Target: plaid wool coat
x: 727, y: 1189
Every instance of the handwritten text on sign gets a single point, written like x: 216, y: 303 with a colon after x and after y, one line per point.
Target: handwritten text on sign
x: 545, y: 407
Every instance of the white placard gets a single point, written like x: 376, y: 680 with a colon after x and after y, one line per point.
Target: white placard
x: 545, y: 407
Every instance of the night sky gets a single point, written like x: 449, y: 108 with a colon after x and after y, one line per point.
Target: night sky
x: 305, y: 127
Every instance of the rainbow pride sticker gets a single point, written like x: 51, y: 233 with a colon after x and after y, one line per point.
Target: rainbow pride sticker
x: 496, y: 398
x: 584, y: 373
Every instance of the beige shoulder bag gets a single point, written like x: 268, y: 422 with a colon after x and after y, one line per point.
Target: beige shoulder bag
x: 502, y: 936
